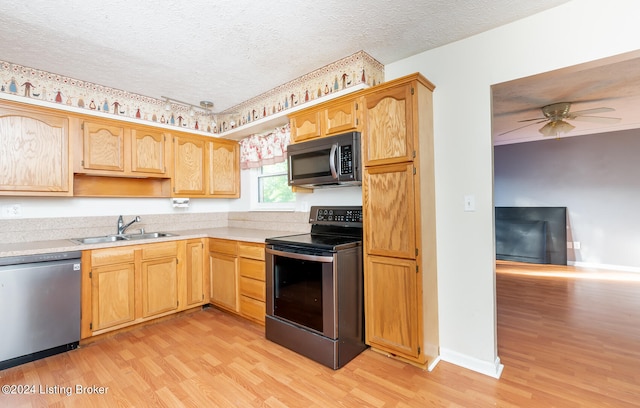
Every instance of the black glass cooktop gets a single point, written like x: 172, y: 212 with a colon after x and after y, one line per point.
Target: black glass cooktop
x: 332, y: 228
x: 323, y: 241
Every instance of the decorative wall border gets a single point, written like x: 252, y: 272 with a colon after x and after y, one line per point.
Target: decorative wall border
x: 31, y: 83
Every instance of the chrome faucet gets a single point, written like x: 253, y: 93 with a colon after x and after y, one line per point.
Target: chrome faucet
x: 122, y: 227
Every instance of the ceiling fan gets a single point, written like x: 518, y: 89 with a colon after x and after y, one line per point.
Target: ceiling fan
x: 557, y: 114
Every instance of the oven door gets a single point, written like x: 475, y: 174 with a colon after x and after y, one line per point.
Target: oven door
x: 301, y: 288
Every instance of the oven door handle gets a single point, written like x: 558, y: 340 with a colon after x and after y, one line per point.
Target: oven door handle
x: 303, y: 257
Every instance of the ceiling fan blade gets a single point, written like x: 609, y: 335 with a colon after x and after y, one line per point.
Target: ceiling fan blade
x: 596, y: 119
x: 590, y: 111
x: 522, y: 127
x: 529, y: 120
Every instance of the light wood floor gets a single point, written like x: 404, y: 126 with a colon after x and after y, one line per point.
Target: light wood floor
x: 565, y: 341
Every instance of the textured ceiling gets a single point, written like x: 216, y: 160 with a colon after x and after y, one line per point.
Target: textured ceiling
x: 231, y: 50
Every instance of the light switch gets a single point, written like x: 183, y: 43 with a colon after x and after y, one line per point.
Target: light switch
x: 469, y: 202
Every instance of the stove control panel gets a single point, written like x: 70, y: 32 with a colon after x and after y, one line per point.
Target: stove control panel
x: 338, y: 215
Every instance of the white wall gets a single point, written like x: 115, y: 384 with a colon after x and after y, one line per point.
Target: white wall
x: 463, y: 72
x: 56, y: 207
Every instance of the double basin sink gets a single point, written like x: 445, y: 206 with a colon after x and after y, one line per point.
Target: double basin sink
x: 121, y: 237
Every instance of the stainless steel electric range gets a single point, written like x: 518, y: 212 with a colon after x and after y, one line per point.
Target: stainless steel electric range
x: 315, y: 287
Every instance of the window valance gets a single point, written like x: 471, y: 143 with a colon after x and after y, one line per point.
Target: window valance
x: 262, y: 149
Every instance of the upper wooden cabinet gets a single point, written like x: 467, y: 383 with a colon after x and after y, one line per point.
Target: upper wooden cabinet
x: 111, y: 148
x: 149, y: 151
x: 189, y: 166
x: 388, y: 124
x: 34, y: 152
x: 223, y: 165
x: 306, y: 125
x: 206, y: 167
x: 103, y: 147
x: 338, y: 116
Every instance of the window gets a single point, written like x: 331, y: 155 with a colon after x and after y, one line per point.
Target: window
x: 271, y: 189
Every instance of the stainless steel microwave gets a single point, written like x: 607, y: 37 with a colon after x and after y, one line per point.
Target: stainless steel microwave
x: 327, y: 162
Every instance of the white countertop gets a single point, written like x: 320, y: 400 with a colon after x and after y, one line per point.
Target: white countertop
x: 64, y: 245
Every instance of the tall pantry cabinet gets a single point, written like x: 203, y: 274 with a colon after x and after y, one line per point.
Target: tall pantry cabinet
x: 401, y: 305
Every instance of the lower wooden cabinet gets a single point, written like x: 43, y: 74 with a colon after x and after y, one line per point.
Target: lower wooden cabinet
x: 196, y: 274
x: 252, y: 291
x: 113, y: 294
x: 224, y: 281
x: 393, y: 302
x: 122, y: 286
x: 237, y: 277
x: 159, y: 286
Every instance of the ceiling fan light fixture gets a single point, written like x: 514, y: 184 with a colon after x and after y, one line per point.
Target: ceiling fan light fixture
x: 556, y: 127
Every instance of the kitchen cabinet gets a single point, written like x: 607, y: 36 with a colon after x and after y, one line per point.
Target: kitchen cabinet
x: 34, y: 151
x: 251, y: 271
x: 116, y: 149
x: 223, y: 164
x: 389, y: 198
x: 392, y: 305
x: 149, y: 151
x: 388, y: 120
x: 338, y: 116
x: 237, y: 277
x: 196, y: 274
x: 399, y: 220
x: 206, y: 167
x: 112, y: 275
x: 223, y: 264
x: 130, y: 284
x: 159, y: 278
x: 189, y: 166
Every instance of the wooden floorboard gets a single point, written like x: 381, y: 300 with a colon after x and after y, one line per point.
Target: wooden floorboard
x: 567, y: 338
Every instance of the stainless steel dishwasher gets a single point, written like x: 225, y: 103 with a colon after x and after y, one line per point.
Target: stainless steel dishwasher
x: 39, y: 306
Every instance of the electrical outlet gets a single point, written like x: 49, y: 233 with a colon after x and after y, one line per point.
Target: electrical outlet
x: 12, y: 211
x: 576, y: 245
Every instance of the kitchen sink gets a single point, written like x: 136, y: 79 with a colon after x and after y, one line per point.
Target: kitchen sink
x: 124, y: 237
x: 149, y: 235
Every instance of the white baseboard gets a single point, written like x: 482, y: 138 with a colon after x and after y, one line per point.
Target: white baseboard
x: 604, y: 266
x: 483, y: 367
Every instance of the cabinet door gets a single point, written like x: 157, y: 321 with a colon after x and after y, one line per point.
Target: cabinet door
x: 195, y: 272
x: 388, y: 199
x: 112, y: 294
x: 342, y: 117
x: 34, y: 152
x: 103, y: 147
x: 188, y: 155
x: 388, y: 117
x: 224, y: 280
x: 148, y: 151
x: 392, y: 306
x: 224, y: 169
x: 159, y: 286
x: 306, y: 125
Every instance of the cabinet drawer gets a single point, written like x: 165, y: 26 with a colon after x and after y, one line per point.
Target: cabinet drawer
x: 251, y: 268
x: 251, y: 250
x: 111, y: 256
x: 253, y: 309
x: 159, y: 250
x: 223, y: 246
x: 252, y: 288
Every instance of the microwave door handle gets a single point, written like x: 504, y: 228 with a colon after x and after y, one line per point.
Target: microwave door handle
x: 332, y: 161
